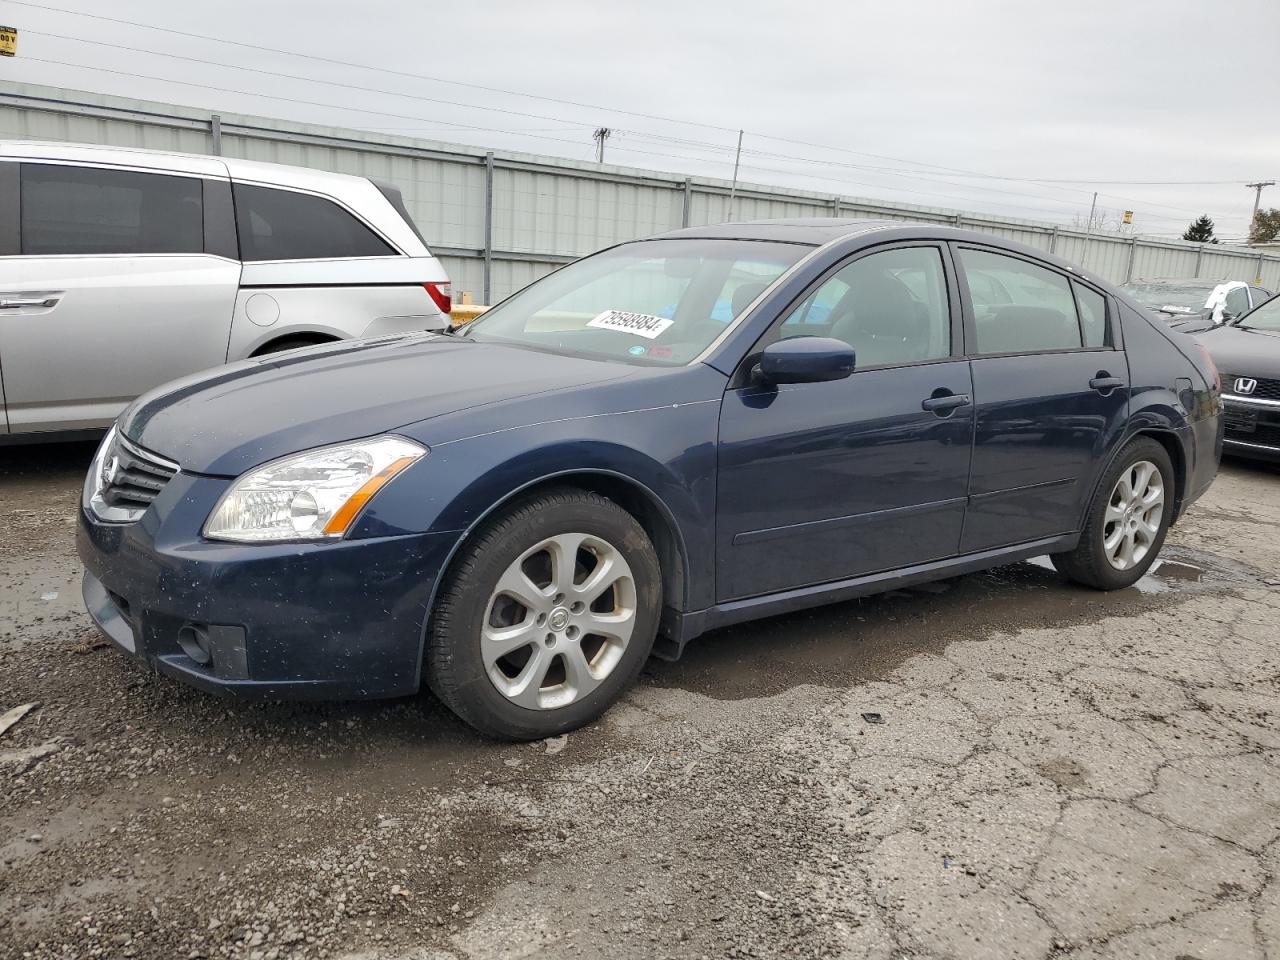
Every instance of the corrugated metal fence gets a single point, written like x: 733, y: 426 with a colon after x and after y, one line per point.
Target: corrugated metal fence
x: 500, y: 220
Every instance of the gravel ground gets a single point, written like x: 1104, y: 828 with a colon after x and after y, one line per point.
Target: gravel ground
x: 1056, y: 773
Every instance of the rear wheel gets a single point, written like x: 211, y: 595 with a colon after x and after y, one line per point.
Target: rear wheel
x: 1127, y: 520
x: 546, y: 617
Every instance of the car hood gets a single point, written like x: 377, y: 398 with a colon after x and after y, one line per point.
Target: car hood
x: 1242, y: 352
x: 229, y: 419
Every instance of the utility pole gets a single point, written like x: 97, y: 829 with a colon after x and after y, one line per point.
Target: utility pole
x: 601, y: 135
x: 733, y: 190
x: 1257, y: 198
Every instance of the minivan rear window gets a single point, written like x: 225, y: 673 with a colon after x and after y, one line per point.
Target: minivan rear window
x: 87, y: 210
x: 284, y: 225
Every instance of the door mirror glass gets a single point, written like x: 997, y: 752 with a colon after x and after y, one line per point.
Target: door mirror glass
x: 805, y: 360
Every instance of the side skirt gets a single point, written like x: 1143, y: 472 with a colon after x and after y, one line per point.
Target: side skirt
x: 679, y: 628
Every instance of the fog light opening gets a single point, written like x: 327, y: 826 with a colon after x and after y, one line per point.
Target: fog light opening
x: 194, y: 640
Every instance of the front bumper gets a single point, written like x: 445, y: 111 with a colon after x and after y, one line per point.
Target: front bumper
x: 1252, y: 427
x: 332, y: 620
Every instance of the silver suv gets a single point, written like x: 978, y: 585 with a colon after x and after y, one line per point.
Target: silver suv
x: 123, y: 269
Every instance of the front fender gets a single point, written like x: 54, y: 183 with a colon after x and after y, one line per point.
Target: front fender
x: 668, y: 453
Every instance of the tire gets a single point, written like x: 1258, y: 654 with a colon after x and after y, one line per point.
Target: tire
x: 1092, y: 563
x: 581, y: 673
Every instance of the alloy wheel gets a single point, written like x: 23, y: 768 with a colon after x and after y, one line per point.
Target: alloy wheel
x: 1134, y: 513
x: 558, y: 621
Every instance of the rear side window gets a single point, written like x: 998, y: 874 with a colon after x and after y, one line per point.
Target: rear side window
x: 1033, y: 313
x: 86, y: 210
x: 1093, y: 316
x: 283, y: 225
x: 1237, y: 301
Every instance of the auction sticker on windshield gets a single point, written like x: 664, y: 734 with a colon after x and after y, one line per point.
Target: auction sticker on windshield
x: 641, y: 324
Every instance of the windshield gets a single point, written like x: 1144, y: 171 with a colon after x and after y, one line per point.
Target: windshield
x: 1182, y: 297
x: 654, y: 301
x: 1265, y: 317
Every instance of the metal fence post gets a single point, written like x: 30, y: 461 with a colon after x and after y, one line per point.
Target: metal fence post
x: 835, y: 206
x: 488, y: 227
x: 959, y: 219
x: 688, y: 202
x: 1199, y: 257
x: 1053, y: 240
x: 1257, y: 276
x: 215, y: 132
x: 1133, y: 253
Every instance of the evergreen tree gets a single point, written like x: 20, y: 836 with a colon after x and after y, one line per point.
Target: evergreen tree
x: 1201, y: 230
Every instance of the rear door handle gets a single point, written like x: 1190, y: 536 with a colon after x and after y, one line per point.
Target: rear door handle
x: 945, y: 403
x: 17, y: 303
x: 1104, y: 384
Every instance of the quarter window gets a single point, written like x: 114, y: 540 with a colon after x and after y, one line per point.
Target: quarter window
x: 283, y: 225
x: 1093, y: 316
x: 85, y: 210
x: 891, y: 307
x: 1039, y: 314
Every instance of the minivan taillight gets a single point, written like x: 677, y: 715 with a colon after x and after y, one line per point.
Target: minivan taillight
x: 441, y: 294
x: 1213, y: 367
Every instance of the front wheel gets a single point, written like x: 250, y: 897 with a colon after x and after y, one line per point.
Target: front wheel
x: 1127, y: 520
x: 547, y: 615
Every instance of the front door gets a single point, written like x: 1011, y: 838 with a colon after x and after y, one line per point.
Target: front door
x: 111, y: 294
x: 826, y: 481
x: 1052, y: 395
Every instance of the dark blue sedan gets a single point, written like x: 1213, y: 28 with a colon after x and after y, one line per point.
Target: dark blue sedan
x: 605, y: 466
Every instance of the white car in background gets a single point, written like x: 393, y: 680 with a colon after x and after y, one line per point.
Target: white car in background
x: 123, y: 269
x: 1196, y: 305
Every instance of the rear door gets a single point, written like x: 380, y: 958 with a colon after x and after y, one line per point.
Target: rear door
x: 114, y: 290
x: 1051, y: 389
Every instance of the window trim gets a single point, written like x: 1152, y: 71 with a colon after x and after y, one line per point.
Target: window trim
x: 742, y: 373
x: 970, y: 323
x: 396, y: 249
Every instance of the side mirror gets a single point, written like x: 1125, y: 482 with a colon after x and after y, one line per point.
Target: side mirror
x: 805, y: 360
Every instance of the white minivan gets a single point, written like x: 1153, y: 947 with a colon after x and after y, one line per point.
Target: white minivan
x: 122, y: 269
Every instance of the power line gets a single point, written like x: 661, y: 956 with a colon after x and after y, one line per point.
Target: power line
x: 576, y: 103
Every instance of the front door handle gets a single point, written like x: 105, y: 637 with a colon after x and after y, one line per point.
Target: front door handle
x: 945, y: 403
x: 17, y: 303
x: 1105, y: 384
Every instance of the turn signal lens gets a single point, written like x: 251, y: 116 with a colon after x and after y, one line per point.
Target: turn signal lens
x: 441, y: 294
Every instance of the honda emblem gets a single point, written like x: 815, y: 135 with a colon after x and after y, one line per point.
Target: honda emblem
x: 1246, y: 386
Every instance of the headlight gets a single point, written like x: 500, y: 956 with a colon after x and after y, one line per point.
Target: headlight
x: 313, y: 495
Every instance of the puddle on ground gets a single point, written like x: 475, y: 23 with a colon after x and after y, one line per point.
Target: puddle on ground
x: 868, y: 638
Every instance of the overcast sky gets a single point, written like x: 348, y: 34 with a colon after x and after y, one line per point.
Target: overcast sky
x: 908, y: 98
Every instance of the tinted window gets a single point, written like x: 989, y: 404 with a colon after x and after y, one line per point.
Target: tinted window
x: 1237, y: 301
x: 1040, y: 314
x: 83, y: 210
x: 283, y: 225
x: 1259, y: 295
x: 890, y: 307
x: 1093, y: 316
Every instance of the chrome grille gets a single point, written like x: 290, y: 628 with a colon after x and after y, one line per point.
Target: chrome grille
x: 1265, y: 390
x: 126, y: 479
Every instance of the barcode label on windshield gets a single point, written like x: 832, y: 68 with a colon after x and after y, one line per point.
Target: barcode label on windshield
x: 641, y: 324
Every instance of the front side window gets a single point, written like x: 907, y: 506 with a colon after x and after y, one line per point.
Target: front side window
x: 1041, y: 315
x: 891, y: 307
x: 284, y: 225
x: 654, y: 301
x: 1237, y: 301
x: 86, y: 210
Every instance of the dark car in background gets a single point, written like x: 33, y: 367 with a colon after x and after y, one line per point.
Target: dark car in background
x: 1196, y: 305
x: 1247, y: 351
x: 601, y: 468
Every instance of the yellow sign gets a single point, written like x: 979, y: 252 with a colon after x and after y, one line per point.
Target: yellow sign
x: 1128, y: 216
x: 8, y: 41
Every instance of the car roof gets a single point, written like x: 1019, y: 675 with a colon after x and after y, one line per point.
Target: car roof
x: 1203, y: 282
x: 817, y: 231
